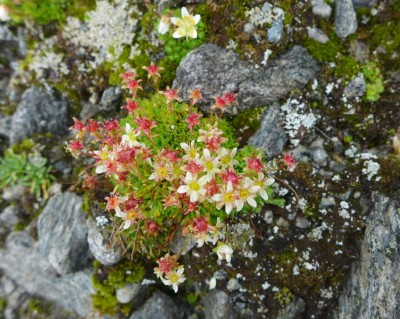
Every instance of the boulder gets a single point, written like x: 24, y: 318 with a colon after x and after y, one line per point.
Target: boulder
x: 63, y: 233
x: 373, y: 288
x: 158, y: 306
x: 345, y: 18
x: 215, y: 70
x: 38, y: 112
x: 22, y: 262
x: 218, y: 306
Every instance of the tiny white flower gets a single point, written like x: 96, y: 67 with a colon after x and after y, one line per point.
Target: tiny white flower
x: 223, y: 251
x: 186, y: 25
x: 213, y: 283
x: 164, y: 24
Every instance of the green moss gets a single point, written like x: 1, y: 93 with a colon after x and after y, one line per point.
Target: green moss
x: 346, y: 67
x: 284, y: 296
x: 323, y: 52
x: 374, y: 81
x: 3, y: 304
x: 105, y: 281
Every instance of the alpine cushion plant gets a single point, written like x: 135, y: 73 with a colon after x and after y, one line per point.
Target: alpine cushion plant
x: 172, y: 168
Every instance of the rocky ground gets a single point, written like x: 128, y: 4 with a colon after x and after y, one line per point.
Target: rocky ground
x: 316, y: 79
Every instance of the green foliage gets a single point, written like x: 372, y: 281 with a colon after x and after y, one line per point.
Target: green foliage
x: 22, y: 169
x: 106, y: 279
x: 45, y: 11
x: 284, y: 296
x: 3, y: 304
x: 374, y: 80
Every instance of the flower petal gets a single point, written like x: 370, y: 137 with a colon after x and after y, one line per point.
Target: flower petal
x: 197, y: 18
x: 182, y: 189
x: 184, y: 12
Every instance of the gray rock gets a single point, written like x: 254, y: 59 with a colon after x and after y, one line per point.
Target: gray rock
x: 233, y: 285
x: 321, y: 9
x: 294, y: 310
x: 38, y: 112
x: 89, y: 110
x: 111, y: 99
x: 8, y: 217
x: 218, y: 306
x: 5, y: 127
x: 345, y: 18
x: 318, y: 153
x: 359, y: 50
x: 63, y: 233
x: 128, y: 293
x: 317, y: 35
x: 158, y: 304
x: 215, y: 70
x: 373, y: 288
x: 266, y: 7
x: 356, y: 87
x: 275, y: 32
x: 302, y: 222
x: 290, y: 71
x: 249, y: 27
x: 5, y: 34
x: 163, y: 5
x: 22, y: 262
x: 271, y: 136
x: 13, y: 193
x: 182, y: 244
x: 100, y: 245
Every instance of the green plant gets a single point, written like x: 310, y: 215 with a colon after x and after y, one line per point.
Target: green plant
x: 171, y: 167
x: 284, y: 296
x: 374, y: 80
x: 25, y: 170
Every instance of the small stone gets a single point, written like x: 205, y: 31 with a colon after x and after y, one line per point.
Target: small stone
x: 89, y: 110
x: 321, y: 9
x: 271, y: 136
x: 182, y: 244
x: 128, y: 293
x: 302, y: 222
x: 360, y: 50
x: 13, y: 193
x: 158, y: 304
x: 294, y: 310
x: 8, y: 217
x: 233, y: 284
x: 218, y: 306
x: 100, y: 245
x: 319, y: 156
x: 345, y: 18
x: 266, y: 7
x: 111, y: 99
x: 249, y: 27
x: 275, y: 33
x: 317, y: 35
x: 356, y: 87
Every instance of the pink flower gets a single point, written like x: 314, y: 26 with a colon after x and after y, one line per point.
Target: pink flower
x: 131, y: 106
x: 289, y: 160
x: 171, y: 95
x: 230, y: 98
x: 193, y: 119
x: 254, y: 163
x: 78, y: 125
x: 153, y: 70
x: 145, y: 124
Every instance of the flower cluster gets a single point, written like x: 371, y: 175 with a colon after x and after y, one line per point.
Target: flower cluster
x: 185, y: 26
x: 194, y: 180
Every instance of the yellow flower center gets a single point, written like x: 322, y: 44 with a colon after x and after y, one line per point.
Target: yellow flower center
x: 104, y: 155
x: 174, y: 278
x: 132, y: 136
x: 131, y: 215
x: 192, y: 153
x: 229, y: 197
x: 162, y: 172
x: 226, y: 160
x: 244, y: 193
x: 194, y: 186
x: 209, y: 165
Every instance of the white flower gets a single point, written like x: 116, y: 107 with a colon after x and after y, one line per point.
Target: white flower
x: 228, y: 198
x: 164, y: 24
x: 191, y: 151
x: 227, y: 157
x: 213, y: 283
x: 223, y: 251
x: 193, y: 187
x: 246, y: 193
x: 130, y: 137
x: 4, y: 16
x: 186, y: 25
x: 174, y: 278
x: 263, y: 183
x: 210, y: 164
